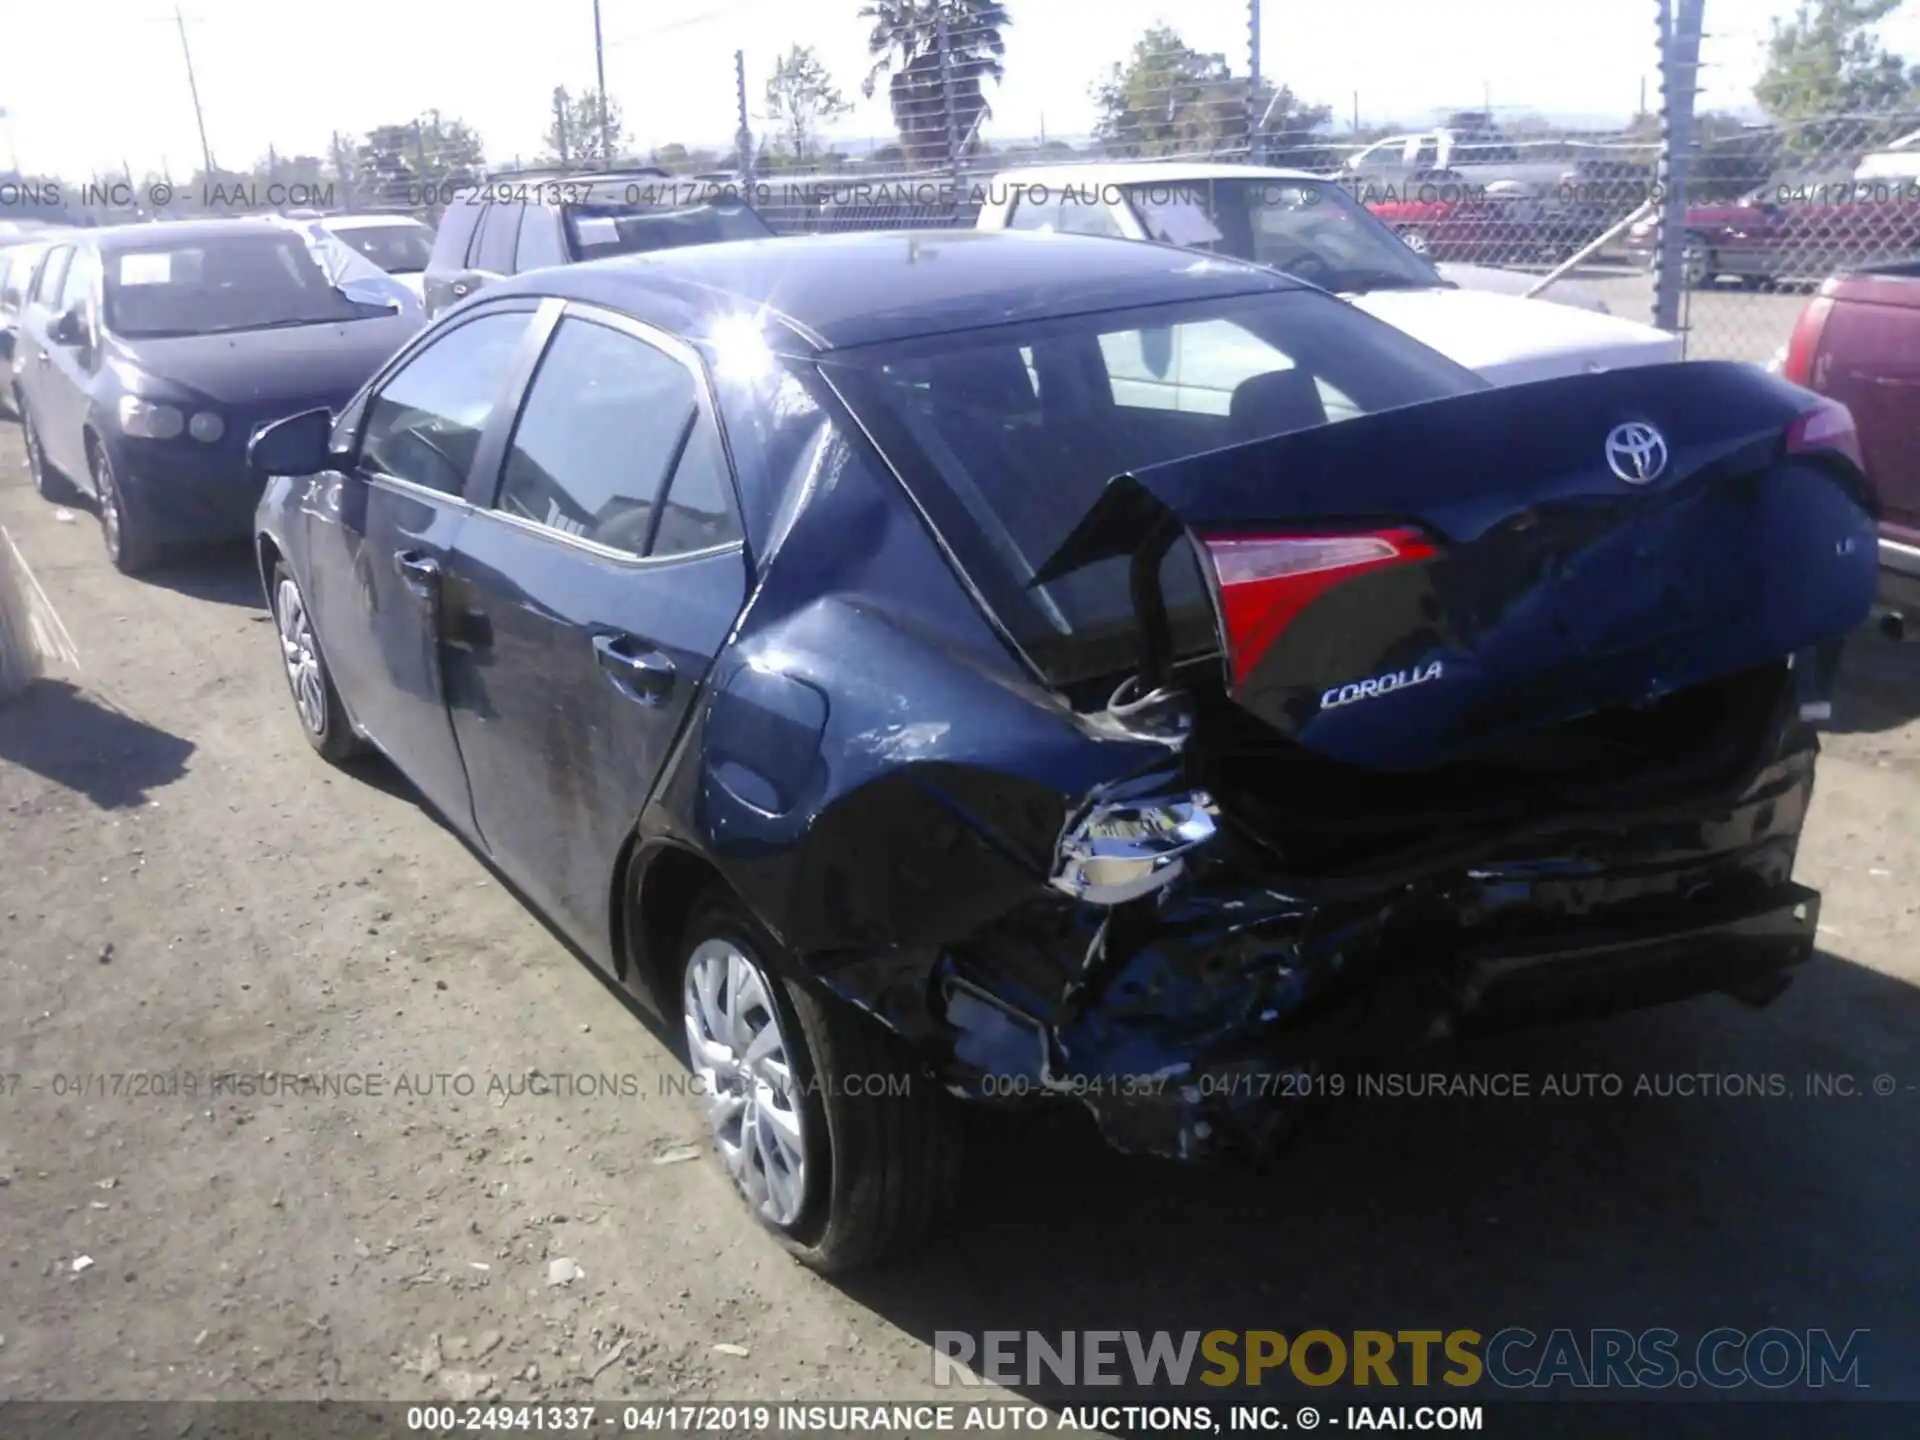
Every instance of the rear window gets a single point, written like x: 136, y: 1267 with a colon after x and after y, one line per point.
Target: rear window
x: 598, y: 230
x: 1008, y: 436
x: 401, y: 248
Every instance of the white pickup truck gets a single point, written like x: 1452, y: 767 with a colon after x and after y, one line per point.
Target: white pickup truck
x: 1312, y: 228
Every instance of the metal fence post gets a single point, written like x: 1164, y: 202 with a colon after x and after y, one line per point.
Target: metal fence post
x: 744, y: 142
x: 1255, y: 120
x: 1680, y: 25
x: 946, y: 98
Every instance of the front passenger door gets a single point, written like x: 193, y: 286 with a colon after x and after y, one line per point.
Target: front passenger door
x: 593, y: 595
x: 383, y: 529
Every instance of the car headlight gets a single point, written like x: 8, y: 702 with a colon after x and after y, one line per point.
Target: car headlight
x: 148, y: 421
x: 206, y: 427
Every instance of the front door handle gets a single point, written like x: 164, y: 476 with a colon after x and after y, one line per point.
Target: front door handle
x: 420, y: 573
x: 638, y: 672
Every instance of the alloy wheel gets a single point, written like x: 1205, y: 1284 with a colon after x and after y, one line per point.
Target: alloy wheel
x: 743, y: 1060
x: 36, y: 458
x: 301, y: 657
x: 109, y: 497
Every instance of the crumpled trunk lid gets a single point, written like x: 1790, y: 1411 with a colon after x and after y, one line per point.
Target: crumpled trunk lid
x: 1405, y: 589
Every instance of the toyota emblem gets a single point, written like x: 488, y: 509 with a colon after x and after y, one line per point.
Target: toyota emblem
x: 1637, y: 453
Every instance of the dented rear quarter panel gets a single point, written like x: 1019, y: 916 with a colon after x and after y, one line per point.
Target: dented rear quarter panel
x: 871, y: 769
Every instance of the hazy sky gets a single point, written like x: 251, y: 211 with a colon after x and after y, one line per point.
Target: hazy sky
x: 93, y: 84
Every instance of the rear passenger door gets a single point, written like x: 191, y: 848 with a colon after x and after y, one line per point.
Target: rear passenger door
x: 592, y: 588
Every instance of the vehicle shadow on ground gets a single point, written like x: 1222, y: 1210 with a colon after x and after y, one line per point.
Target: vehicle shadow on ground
x: 75, y: 740
x: 1772, y: 1198
x: 227, y: 575
x: 1879, y: 687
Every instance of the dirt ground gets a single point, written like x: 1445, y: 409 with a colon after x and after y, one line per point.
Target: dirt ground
x: 186, y: 893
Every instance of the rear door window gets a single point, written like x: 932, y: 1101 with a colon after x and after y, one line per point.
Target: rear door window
x: 455, y: 235
x: 499, y: 235
x: 53, y: 275
x: 608, y: 419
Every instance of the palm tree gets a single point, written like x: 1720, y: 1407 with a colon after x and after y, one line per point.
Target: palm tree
x: 905, y: 44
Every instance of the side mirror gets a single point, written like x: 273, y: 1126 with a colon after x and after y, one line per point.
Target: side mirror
x: 68, y: 328
x: 1156, y: 349
x: 296, y: 445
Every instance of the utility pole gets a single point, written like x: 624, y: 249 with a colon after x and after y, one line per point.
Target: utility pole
x: 600, y: 72
x: 193, y: 88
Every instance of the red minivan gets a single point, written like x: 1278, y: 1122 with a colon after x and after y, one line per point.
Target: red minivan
x: 1858, y: 341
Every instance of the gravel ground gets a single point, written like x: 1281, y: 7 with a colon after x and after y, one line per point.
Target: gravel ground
x: 186, y: 891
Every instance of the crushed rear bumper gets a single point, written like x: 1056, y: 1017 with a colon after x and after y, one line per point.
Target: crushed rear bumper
x: 1192, y: 1026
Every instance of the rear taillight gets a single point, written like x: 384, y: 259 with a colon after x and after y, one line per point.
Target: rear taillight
x: 1266, y: 581
x: 1804, y: 348
x: 1827, y: 427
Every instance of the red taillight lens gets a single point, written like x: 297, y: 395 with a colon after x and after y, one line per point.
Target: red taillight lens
x: 1828, y: 426
x: 1804, y: 347
x: 1266, y: 581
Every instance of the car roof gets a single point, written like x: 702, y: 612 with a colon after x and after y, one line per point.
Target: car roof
x: 1144, y: 172
x: 865, y: 287
x: 364, y: 222
x: 114, y: 238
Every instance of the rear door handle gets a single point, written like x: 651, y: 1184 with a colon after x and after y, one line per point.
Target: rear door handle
x: 637, y: 671
x: 421, y: 573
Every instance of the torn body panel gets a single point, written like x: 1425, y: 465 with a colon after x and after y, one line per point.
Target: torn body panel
x: 883, y: 776
x: 1187, y: 1022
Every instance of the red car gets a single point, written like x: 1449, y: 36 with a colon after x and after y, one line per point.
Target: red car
x: 1446, y: 218
x: 1787, y: 232
x: 1858, y: 341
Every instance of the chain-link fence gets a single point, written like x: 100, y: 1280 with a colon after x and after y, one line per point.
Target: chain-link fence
x: 1761, y: 212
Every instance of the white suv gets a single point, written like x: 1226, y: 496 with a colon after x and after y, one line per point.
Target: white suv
x: 1313, y: 229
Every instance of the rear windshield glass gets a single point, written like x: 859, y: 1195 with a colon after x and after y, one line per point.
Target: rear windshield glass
x: 597, y: 231
x: 400, y: 249
x: 1009, y: 435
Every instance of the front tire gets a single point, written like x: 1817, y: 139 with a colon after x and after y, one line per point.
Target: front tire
x: 122, y: 528
x: 323, y: 720
x: 828, y: 1129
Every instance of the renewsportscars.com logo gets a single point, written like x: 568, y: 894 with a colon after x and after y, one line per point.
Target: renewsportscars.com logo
x: 1514, y: 1358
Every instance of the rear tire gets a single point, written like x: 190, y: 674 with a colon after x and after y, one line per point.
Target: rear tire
x: 48, y: 483
x: 865, y: 1152
x: 323, y: 719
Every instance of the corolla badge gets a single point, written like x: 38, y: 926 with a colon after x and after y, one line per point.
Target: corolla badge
x: 1637, y: 453
x: 1378, y: 685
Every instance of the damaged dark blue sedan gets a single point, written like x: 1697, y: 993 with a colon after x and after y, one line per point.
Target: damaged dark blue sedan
x: 1044, y: 667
